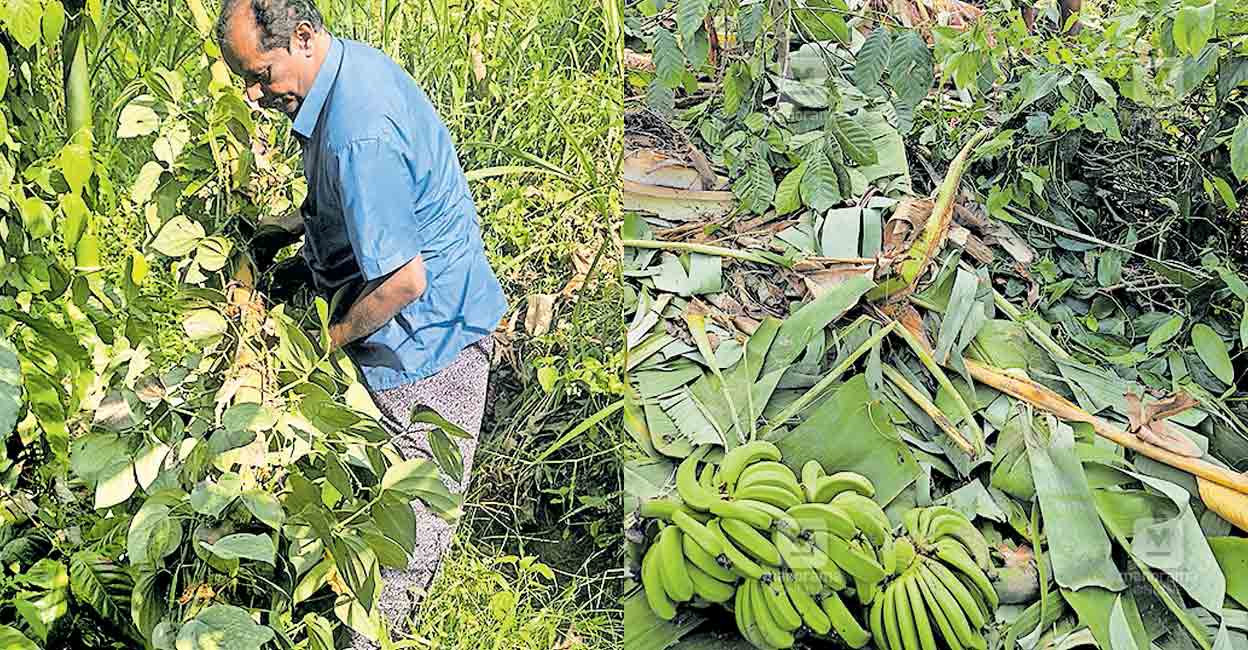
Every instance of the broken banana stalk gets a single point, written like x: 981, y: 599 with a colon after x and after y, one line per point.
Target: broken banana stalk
x: 912, y: 263
x: 1043, y: 398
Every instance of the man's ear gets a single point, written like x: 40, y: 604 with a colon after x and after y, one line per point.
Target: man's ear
x: 301, y: 38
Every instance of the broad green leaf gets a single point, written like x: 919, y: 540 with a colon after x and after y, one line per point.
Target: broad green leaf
x: 24, y: 18
x: 1193, y: 25
x: 211, y: 498
x: 1164, y: 333
x: 171, y: 143
x: 818, y: 186
x: 147, y: 181
x: 36, y: 217
x: 1225, y: 193
x: 10, y: 387
x: 222, y: 627
x: 138, y: 119
x: 178, y: 237
x: 11, y: 639
x: 212, y: 253
x: 689, y: 17
x: 840, y: 233
x: 643, y: 630
x: 1095, y: 607
x: 395, y: 518
x: 76, y: 217
x: 1101, y: 87
x: 854, y: 138
x: 117, y: 485
x: 420, y: 479
x: 1213, y: 352
x: 1232, y: 556
x: 1079, y: 547
x: 76, y: 166
x: 204, y: 323
x: 4, y: 70
x: 669, y: 62
x: 244, y: 546
x: 138, y: 268
x: 751, y: 21
x: 53, y: 21
x: 101, y: 584
x: 755, y: 187
x: 248, y: 416
x: 788, y: 198
x: 872, y: 59
x: 265, y: 507
x: 153, y: 533
x: 911, y: 69
x: 852, y: 431
x: 1239, y: 149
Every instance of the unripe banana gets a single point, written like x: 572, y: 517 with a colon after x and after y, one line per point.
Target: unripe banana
x: 746, y: 512
x: 823, y: 516
x: 735, y: 461
x: 748, y: 539
x: 937, y: 611
x: 876, y: 619
x: 811, y: 472
x: 652, y: 583
x: 847, y: 627
x: 892, y: 631
x: 911, y: 521
x: 659, y: 508
x: 802, y: 594
x: 867, y: 516
x: 708, y: 588
x: 865, y: 590
x: 740, y: 562
x: 744, y: 615
x: 676, y: 579
x: 966, y: 601
x: 780, y: 519
x: 963, y: 625
x: 927, y: 641
x: 797, y: 555
x: 954, y: 554
x: 709, y: 564
x: 888, y: 555
x: 776, y: 594
x: 691, y: 491
x: 905, y: 553
x: 776, y: 496
x: 950, y: 523
x: 853, y: 561
x: 905, y: 617
x: 697, y: 530
x: 773, y: 474
x: 833, y: 484
x: 768, y: 628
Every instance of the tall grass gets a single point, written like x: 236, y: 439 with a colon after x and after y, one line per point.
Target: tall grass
x: 531, y: 92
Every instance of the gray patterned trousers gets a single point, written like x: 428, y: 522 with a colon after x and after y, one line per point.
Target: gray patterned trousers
x: 458, y: 394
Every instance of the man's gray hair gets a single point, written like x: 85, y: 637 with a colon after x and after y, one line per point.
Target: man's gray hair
x: 277, y: 19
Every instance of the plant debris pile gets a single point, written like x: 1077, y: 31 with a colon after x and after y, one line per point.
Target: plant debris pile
x: 1044, y: 353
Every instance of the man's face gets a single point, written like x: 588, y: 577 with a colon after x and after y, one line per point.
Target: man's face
x: 278, y: 79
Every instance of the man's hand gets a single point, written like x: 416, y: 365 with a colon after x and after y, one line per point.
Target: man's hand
x: 376, y: 308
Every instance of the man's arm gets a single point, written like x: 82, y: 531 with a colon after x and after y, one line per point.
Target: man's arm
x: 377, y: 307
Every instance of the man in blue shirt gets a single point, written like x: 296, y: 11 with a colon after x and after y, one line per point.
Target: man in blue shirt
x: 389, y: 226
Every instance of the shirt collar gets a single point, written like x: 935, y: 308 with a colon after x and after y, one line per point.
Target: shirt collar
x: 310, y: 109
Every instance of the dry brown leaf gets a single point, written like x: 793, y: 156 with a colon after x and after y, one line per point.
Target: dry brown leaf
x: 821, y: 282
x: 540, y: 314
x: 1147, y: 421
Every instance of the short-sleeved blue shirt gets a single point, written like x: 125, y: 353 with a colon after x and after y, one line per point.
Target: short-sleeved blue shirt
x: 384, y: 185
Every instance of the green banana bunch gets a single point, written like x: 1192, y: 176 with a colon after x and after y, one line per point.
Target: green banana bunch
x: 938, y: 594
x: 776, y: 547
